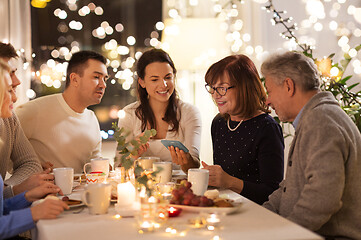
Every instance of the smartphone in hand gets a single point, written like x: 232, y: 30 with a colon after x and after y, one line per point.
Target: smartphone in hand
x: 175, y: 144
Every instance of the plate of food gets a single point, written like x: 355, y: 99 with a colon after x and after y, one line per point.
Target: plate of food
x: 221, y: 205
x: 72, y: 203
x: 113, y: 199
x: 78, y: 177
x: 184, y: 198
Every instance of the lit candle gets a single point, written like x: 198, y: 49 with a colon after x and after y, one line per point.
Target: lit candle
x: 165, y: 189
x: 126, y: 194
x: 174, y: 212
x: 146, y: 226
x: 212, y: 221
x: 167, y: 196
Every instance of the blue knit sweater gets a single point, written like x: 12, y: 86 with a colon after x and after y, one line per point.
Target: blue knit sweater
x: 15, y: 214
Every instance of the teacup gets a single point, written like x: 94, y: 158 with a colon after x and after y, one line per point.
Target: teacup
x: 64, y: 178
x: 199, y: 179
x: 95, y: 177
x: 165, y: 173
x: 98, y: 165
x: 97, y: 198
x: 146, y: 162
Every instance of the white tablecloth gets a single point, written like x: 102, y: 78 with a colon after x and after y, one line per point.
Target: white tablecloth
x: 252, y: 222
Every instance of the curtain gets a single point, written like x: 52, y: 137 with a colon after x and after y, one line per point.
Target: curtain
x: 15, y: 28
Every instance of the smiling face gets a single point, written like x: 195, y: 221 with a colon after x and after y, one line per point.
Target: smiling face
x: 158, y: 81
x: 12, y: 62
x: 92, y: 83
x: 227, y: 103
x: 7, y: 106
x: 278, y: 99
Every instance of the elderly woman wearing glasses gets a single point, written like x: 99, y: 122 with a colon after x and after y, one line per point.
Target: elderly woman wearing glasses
x: 247, y: 142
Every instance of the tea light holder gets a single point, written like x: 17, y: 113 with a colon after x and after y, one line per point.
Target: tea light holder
x: 147, y: 217
x: 197, y: 222
x: 162, y: 213
x: 165, y: 190
x: 145, y: 226
x: 213, y: 221
x: 174, y: 212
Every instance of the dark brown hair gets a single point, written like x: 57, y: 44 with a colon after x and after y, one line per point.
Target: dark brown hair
x: 243, y: 75
x: 144, y: 112
x: 79, y: 61
x: 7, y: 51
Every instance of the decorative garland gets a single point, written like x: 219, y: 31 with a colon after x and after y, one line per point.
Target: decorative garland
x: 350, y: 101
x: 288, y: 34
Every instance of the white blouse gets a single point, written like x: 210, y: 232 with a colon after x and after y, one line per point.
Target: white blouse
x: 189, y: 131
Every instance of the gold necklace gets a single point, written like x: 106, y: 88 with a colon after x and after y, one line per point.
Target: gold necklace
x: 233, y: 129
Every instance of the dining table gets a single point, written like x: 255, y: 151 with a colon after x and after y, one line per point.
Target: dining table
x: 250, y: 221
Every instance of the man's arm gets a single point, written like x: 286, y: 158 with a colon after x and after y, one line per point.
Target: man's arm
x: 274, y: 199
x: 323, y: 157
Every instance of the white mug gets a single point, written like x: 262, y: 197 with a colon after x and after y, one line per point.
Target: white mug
x: 98, y: 165
x: 165, y: 175
x: 92, y: 178
x: 97, y: 197
x: 146, y: 162
x: 64, y: 178
x: 199, y: 179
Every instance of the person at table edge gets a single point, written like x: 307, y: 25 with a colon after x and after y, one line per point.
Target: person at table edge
x: 16, y: 153
x: 322, y: 189
x: 15, y: 214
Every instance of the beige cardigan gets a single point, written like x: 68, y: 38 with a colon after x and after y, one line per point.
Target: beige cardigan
x: 322, y: 189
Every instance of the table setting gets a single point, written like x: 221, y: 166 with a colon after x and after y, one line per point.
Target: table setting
x: 146, y: 197
x: 135, y: 214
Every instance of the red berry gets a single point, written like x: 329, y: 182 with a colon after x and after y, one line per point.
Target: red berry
x: 176, y: 194
x: 201, y: 204
x: 182, y: 190
x: 186, y: 202
x: 188, y: 195
x: 204, y: 200
x: 195, y: 201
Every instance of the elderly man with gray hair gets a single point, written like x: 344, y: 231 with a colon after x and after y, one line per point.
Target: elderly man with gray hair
x: 322, y: 189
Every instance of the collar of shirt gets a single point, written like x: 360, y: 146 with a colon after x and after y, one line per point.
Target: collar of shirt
x: 297, y: 119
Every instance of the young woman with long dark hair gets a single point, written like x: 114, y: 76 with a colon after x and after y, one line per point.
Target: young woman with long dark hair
x: 160, y: 108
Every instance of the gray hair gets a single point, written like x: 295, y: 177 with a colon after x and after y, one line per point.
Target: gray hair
x: 301, y: 69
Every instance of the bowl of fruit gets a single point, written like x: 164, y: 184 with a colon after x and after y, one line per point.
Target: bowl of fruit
x: 183, y: 197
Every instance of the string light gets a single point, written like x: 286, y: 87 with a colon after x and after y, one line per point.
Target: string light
x: 289, y: 33
x: 240, y: 40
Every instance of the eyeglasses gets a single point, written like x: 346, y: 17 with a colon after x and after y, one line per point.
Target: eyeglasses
x: 220, y: 90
